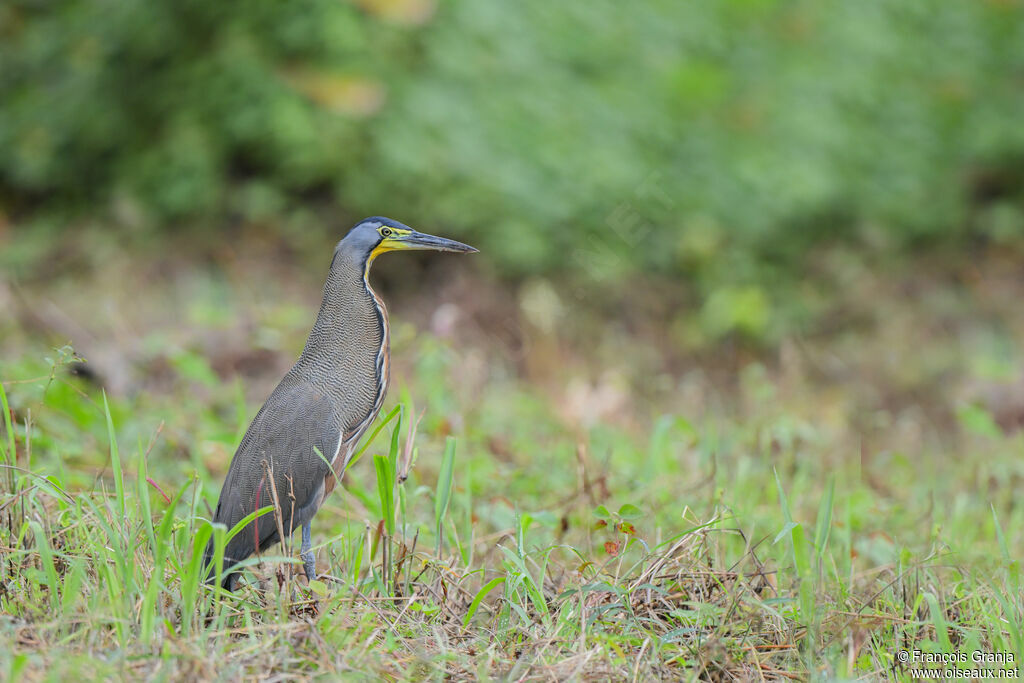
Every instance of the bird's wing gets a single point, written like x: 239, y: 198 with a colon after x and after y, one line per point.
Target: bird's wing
x: 279, y: 451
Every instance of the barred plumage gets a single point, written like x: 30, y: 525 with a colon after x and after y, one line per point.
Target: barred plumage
x: 323, y: 405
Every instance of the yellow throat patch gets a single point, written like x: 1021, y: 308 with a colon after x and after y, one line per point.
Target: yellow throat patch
x: 390, y: 243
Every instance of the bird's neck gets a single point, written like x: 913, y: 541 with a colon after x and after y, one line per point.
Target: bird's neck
x: 350, y: 326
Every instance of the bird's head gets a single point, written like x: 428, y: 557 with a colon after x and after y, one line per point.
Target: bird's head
x: 374, y: 236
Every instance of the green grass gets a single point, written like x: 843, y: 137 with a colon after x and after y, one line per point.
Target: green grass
x: 601, y: 501
x: 752, y: 542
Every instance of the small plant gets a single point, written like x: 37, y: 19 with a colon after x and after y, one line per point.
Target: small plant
x: 619, y: 525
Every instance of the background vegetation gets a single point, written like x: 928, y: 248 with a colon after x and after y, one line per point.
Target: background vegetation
x: 736, y: 136
x: 733, y: 389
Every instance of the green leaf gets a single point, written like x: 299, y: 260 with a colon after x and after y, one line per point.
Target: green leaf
x: 629, y: 511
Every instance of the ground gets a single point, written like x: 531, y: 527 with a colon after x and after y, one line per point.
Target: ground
x: 603, y: 497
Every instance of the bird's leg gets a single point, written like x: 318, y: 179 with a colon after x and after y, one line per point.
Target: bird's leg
x: 307, y: 555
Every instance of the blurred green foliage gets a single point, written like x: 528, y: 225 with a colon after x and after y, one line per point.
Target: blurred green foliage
x: 715, y: 139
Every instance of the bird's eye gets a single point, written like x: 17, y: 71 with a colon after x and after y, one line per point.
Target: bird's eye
x: 385, y: 232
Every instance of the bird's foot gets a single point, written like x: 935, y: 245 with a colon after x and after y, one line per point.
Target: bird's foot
x: 306, y: 552
x: 309, y: 565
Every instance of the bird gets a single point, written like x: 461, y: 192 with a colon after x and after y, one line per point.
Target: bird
x: 302, y: 439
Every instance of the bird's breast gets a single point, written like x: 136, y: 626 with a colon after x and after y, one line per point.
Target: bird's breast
x: 347, y: 355
x: 382, y: 364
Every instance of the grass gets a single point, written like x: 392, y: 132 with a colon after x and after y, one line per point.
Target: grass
x: 728, y: 550
x: 828, y: 507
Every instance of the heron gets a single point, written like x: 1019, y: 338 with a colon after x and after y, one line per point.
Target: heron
x: 302, y: 439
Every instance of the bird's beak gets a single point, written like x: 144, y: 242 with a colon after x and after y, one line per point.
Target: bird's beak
x: 419, y: 240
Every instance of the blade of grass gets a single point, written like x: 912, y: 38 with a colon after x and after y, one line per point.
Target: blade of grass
x: 386, y: 493
x: 11, y: 452
x: 46, y: 559
x: 144, y: 502
x: 823, y: 524
x: 373, y: 435
x: 191, y: 577
x: 481, y: 594
x: 385, y: 490
x: 515, y: 565
x: 442, y: 498
x: 162, y: 542
x: 939, y: 622
x: 1012, y: 565
x: 115, y: 458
